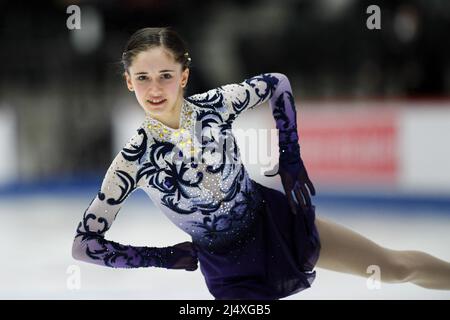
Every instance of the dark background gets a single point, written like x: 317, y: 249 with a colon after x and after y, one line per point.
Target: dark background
x: 62, y: 84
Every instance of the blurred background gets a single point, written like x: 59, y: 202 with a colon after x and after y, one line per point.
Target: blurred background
x: 373, y: 111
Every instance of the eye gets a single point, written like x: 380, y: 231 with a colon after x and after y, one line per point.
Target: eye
x: 141, y: 78
x: 167, y: 76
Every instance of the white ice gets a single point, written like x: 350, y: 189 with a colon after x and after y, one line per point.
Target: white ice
x: 37, y: 232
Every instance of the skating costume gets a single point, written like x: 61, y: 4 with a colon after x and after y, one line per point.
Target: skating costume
x: 248, y: 242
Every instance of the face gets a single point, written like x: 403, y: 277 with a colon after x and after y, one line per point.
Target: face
x: 157, y: 81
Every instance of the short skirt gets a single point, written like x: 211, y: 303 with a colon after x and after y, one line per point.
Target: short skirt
x: 275, y: 260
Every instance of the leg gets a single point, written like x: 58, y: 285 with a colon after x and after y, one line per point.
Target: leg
x: 344, y: 250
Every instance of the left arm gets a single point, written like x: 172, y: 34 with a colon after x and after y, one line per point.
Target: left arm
x: 275, y: 88
x: 228, y: 101
x: 272, y: 87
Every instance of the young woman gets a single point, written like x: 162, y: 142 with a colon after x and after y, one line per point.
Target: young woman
x: 252, y: 242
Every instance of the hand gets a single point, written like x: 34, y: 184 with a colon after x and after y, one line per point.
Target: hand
x: 182, y: 256
x: 296, y: 182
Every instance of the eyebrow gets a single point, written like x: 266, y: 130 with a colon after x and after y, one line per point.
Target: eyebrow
x: 166, y: 70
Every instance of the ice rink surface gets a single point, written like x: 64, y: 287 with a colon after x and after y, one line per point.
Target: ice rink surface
x: 37, y: 233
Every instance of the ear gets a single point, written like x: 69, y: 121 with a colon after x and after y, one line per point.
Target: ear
x: 184, y: 77
x: 128, y: 81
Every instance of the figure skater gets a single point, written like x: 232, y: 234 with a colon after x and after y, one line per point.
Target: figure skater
x: 251, y: 241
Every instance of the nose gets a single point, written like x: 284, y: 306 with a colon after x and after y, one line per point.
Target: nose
x: 154, y: 90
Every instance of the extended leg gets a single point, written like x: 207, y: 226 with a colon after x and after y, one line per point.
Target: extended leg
x: 344, y: 250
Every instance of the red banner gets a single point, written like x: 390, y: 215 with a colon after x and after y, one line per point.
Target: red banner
x: 348, y: 147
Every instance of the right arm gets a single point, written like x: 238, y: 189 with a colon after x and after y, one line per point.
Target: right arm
x: 90, y: 244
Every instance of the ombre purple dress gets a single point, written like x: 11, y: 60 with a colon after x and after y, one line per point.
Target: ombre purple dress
x: 274, y: 260
x: 248, y: 242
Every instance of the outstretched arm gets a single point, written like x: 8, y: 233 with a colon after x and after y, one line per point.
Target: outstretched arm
x: 291, y: 168
x: 90, y: 244
x: 272, y: 87
x: 276, y: 89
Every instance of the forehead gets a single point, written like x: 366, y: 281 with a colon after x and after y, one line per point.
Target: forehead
x: 154, y: 59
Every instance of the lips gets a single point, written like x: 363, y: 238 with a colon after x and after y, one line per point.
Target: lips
x: 156, y: 102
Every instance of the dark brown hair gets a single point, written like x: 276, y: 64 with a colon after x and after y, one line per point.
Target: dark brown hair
x: 147, y: 38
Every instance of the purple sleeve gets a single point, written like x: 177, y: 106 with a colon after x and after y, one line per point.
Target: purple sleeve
x: 90, y: 244
x: 229, y: 100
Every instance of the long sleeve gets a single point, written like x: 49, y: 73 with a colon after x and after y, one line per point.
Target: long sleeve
x: 272, y: 87
x: 275, y: 88
x: 90, y: 244
x: 231, y: 100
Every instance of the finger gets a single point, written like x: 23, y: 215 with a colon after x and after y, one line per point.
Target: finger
x: 292, y: 204
x: 294, y: 197
x: 306, y: 196
x: 297, y: 193
x: 311, y: 187
x: 302, y: 202
x: 300, y: 209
